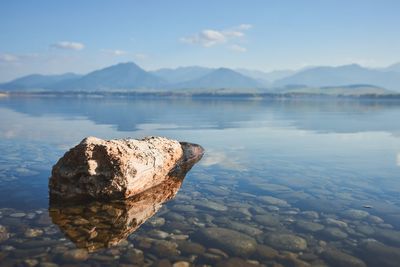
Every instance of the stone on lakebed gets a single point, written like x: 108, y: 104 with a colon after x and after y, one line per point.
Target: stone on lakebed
x: 119, y: 168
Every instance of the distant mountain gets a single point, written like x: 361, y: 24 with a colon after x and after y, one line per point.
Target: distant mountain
x: 221, y: 78
x: 394, y: 67
x: 351, y: 90
x: 38, y: 81
x: 266, y: 77
x: 342, y: 76
x: 181, y: 74
x: 123, y: 76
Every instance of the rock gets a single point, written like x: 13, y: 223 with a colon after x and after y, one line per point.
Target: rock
x: 375, y: 219
x: 134, y: 256
x: 244, y: 228
x: 111, y: 222
x: 158, y: 234
x: 164, y: 248
x: 273, y: 201
x: 76, y: 255
x: 33, y: 232
x: 229, y: 240
x: 312, y: 215
x: 388, y: 235
x: 190, y: 248
x: 334, y: 233
x: 157, y: 222
x: 181, y: 264
x: 266, y: 252
x: 355, y: 214
x: 309, y: 226
x: 236, y: 262
x: 4, y: 235
x: 18, y: 215
x: 211, y: 205
x: 340, y: 259
x: 118, y: 168
x: 286, y: 241
x: 31, y: 262
x: 378, y: 254
x: 365, y: 229
x: 267, y: 220
x: 337, y: 223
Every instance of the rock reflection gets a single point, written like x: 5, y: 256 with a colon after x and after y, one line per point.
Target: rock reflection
x: 96, y: 224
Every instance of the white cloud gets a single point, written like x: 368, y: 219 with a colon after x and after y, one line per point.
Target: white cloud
x: 68, y: 45
x: 7, y: 58
x: 209, y: 37
x: 237, y: 48
x: 115, y: 52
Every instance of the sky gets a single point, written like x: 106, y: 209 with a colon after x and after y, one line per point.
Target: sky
x: 51, y: 37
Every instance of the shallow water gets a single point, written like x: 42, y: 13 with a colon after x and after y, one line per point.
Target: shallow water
x: 282, y: 182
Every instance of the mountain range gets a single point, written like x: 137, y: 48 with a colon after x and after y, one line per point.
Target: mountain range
x: 131, y: 77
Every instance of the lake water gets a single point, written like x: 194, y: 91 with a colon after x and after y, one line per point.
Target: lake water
x: 290, y: 182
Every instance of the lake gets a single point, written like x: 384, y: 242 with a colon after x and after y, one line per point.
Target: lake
x: 290, y: 182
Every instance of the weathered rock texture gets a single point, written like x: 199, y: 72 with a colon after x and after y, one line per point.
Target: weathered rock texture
x: 118, y: 169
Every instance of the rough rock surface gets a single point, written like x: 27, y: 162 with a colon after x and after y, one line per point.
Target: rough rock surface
x: 115, y: 169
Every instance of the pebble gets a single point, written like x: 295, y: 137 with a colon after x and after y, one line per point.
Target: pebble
x: 4, y: 235
x: 312, y: 215
x: 286, y: 241
x: 181, y: 264
x: 378, y: 254
x: 273, y: 201
x: 340, y: 259
x: 267, y: 219
x: 31, y: 262
x: 228, y: 240
x: 187, y: 247
x: 30, y: 232
x: 309, y: 226
x: 18, y: 215
x: 158, y: 234
x: 334, y: 233
x: 337, y: 223
x: 211, y: 205
x: 355, y: 214
x: 76, y: 255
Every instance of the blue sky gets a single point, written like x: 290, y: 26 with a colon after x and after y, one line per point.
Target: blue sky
x: 80, y: 36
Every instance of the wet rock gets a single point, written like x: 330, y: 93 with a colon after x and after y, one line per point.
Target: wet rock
x: 4, y: 235
x: 76, y: 255
x: 309, y: 226
x: 117, y: 168
x: 18, y: 215
x: 378, y: 254
x: 163, y: 263
x: 336, y: 223
x: 286, y: 241
x: 157, y: 222
x: 340, y: 259
x: 173, y: 216
x: 244, y: 228
x: 31, y: 262
x: 48, y: 264
x: 30, y: 233
x: 312, y: 215
x: 181, y: 264
x: 365, y: 229
x: 388, y: 235
x: 355, y: 214
x: 273, y: 201
x: 236, y: 262
x: 231, y: 241
x: 187, y: 247
x: 184, y: 208
x: 375, y: 219
x: 266, y: 252
x: 165, y: 248
x: 158, y: 234
x: 133, y: 256
x: 334, y: 233
x: 211, y: 205
x: 267, y: 220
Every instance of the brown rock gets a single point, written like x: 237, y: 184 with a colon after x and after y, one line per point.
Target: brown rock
x: 119, y: 168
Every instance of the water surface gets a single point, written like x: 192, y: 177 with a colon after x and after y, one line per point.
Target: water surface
x: 289, y: 182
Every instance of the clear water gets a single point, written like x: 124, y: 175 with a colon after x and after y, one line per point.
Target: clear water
x: 331, y: 167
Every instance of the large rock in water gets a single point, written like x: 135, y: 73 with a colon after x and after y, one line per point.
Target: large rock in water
x: 119, y: 168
